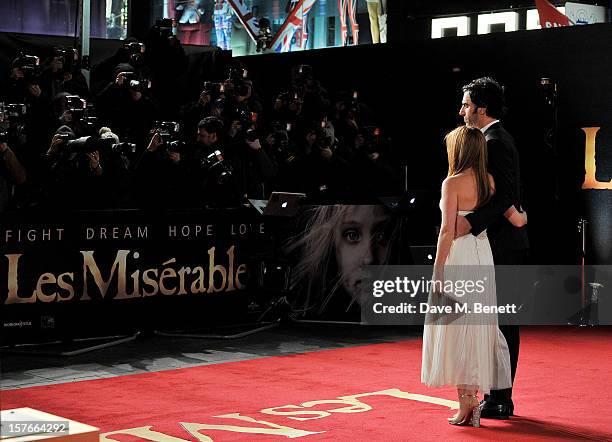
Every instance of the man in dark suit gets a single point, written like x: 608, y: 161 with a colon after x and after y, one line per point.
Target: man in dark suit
x: 481, y: 107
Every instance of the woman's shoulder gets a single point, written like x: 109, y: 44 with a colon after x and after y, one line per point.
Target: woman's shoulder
x: 458, y: 179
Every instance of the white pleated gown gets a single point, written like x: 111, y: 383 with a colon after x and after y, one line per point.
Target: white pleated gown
x: 466, y: 349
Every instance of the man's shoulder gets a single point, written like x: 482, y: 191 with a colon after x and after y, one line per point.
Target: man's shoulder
x: 497, y: 134
x: 496, y: 130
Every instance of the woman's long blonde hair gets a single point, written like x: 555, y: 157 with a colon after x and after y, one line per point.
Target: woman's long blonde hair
x: 467, y: 148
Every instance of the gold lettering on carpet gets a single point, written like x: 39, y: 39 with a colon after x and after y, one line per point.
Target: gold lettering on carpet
x: 352, y: 405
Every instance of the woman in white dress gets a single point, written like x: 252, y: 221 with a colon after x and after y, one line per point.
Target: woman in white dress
x: 465, y: 349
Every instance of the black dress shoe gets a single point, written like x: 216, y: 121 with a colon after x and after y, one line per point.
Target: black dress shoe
x: 491, y: 410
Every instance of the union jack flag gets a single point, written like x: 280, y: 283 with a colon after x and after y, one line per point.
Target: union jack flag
x: 246, y: 17
x: 295, y: 20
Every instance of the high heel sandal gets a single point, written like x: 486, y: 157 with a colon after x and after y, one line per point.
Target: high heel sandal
x: 473, y: 416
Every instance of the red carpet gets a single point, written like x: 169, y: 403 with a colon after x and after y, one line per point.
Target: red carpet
x: 564, y: 392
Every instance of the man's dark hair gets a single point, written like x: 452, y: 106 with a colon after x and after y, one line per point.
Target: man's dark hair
x: 486, y: 92
x: 212, y: 125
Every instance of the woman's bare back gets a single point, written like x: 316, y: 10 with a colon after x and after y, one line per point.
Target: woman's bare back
x: 467, y: 192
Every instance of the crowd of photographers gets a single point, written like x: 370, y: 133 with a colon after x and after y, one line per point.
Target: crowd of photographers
x: 131, y: 144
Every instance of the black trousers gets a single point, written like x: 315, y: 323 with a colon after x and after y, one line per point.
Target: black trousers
x: 510, y: 332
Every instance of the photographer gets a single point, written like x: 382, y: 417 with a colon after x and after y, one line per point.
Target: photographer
x: 35, y: 123
x: 167, y: 61
x: 371, y: 162
x: 63, y: 75
x: 210, y: 175
x: 161, y: 171
x: 126, y: 106
x: 130, y: 54
x: 350, y: 117
x: 323, y: 171
x: 115, y: 155
x: 279, y: 143
x: 240, y: 95
x: 287, y: 112
x: 315, y: 99
x: 12, y: 173
x: 211, y: 102
x: 75, y: 171
x: 76, y: 113
x: 252, y: 165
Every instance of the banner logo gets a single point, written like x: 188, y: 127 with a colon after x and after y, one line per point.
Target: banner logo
x: 590, y: 181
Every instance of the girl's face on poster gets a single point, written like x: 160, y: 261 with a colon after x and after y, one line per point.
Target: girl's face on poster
x: 361, y: 239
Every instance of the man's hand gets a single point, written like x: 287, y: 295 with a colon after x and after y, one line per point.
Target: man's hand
x: 17, y: 73
x: 34, y: 90
x: 94, y: 161
x: 3, y: 147
x: 66, y: 117
x: 155, y: 142
x: 462, y: 226
x: 234, y: 128
x: 120, y: 79
x: 67, y: 76
x: 255, y: 145
x: 311, y: 137
x: 55, y: 144
x: 204, y: 98
x: 175, y: 157
x: 326, y: 153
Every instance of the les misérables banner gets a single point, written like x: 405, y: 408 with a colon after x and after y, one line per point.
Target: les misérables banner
x: 126, y: 269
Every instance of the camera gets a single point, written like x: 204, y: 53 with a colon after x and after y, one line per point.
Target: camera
x: 136, y: 51
x: 138, y: 85
x: 175, y: 146
x: 12, y: 125
x: 122, y: 148
x: 373, y: 140
x: 168, y: 131
x: 236, y: 73
x: 29, y: 65
x: 12, y: 112
x: 215, y: 167
x: 75, y: 103
x: 216, y: 92
x: 290, y: 96
x: 82, y: 112
x: 238, y: 77
x: 134, y: 47
x: 90, y: 144
x: 86, y: 144
x: 248, y: 119
x: 213, y: 89
x: 135, y: 82
x: 67, y: 56
x: 302, y: 73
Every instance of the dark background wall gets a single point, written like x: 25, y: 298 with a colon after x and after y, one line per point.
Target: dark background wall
x: 50, y: 17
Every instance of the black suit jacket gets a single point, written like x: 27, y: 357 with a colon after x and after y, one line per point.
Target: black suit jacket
x: 503, y: 164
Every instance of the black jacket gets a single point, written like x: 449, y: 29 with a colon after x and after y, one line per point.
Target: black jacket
x: 503, y: 164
